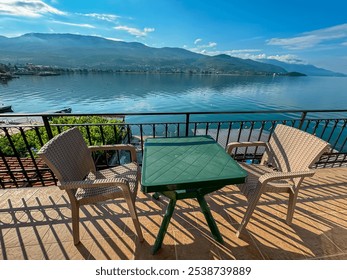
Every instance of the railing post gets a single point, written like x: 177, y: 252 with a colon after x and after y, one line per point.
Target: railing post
x: 47, y: 126
x: 187, y: 124
x: 303, y: 117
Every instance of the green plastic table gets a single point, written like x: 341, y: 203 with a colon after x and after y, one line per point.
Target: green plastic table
x: 187, y: 167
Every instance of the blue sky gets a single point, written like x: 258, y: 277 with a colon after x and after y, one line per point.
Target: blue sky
x: 313, y: 32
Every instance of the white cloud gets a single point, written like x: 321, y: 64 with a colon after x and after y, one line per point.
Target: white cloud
x: 287, y: 58
x: 106, y: 17
x: 84, y: 25
x: 147, y: 30
x: 251, y: 54
x: 254, y: 54
x: 245, y: 54
x: 243, y: 51
x: 134, y: 31
x: 197, y: 41
x: 209, y: 45
x: 27, y: 8
x: 203, y: 48
x: 312, y: 38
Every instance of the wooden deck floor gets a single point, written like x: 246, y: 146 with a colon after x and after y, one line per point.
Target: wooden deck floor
x: 35, y: 223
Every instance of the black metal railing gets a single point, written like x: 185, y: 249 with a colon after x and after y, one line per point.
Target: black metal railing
x: 21, y: 135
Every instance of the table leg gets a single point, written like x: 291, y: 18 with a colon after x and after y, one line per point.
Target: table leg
x: 156, y: 196
x: 164, y: 225
x: 209, y: 218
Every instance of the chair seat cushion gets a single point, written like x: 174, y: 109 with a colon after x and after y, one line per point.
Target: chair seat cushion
x: 127, y: 171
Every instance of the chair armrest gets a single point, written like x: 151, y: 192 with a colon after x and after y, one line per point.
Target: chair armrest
x: 126, y: 147
x: 121, y: 182
x: 233, y: 145
x: 274, y: 176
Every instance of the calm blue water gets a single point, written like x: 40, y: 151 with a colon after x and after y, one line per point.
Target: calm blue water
x: 124, y: 93
x: 121, y: 93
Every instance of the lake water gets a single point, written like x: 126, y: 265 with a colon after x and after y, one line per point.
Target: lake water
x: 122, y: 93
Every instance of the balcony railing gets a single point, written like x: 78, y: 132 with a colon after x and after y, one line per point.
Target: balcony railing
x: 22, y: 134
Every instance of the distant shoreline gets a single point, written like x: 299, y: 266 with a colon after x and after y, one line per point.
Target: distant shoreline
x: 12, y: 70
x: 96, y: 71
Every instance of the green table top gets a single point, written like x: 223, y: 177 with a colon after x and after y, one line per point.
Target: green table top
x: 187, y: 163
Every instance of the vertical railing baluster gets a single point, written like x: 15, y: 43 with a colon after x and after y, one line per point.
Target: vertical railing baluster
x: 37, y: 171
x: 324, y: 128
x: 259, y: 138
x: 218, y: 128
x: 315, y: 127
x: 250, y: 131
x: 239, y: 136
x: 102, y: 135
x: 187, y: 123
x: 248, y: 138
x: 45, y: 120
x: 240, y: 131
x: 88, y: 135
x: 153, y: 130
x: 129, y: 133
x: 8, y: 168
x: 38, y: 135
x: 103, y: 142
x: 207, y: 127
x: 307, y: 125
x: 338, y: 137
x: 332, y: 130
x: 8, y: 136
x: 115, y: 133
x: 302, y: 119
x: 343, y: 145
x: 141, y: 137
x: 272, y: 128
x: 195, y: 128
x: 59, y: 129
x: 228, y: 135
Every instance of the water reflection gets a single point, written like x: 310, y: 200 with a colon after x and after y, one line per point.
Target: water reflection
x: 109, y: 93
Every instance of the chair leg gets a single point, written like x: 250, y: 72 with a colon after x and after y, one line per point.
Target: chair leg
x: 134, y: 217
x: 75, y: 213
x: 250, y: 209
x: 291, y: 206
x: 293, y: 196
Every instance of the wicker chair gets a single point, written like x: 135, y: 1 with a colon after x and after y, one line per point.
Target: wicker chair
x: 286, y: 162
x: 68, y: 156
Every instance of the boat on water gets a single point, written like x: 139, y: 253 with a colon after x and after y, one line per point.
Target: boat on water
x: 65, y: 110
x: 5, y: 109
x: 61, y: 111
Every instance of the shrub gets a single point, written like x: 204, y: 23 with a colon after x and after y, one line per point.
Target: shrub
x: 112, y: 133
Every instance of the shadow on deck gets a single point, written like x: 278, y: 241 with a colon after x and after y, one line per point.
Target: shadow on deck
x: 35, y: 223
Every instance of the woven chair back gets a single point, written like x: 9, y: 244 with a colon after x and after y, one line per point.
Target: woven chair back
x: 68, y: 156
x: 291, y: 149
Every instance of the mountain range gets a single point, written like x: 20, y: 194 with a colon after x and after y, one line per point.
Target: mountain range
x: 90, y: 52
x: 307, y: 69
